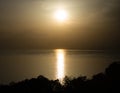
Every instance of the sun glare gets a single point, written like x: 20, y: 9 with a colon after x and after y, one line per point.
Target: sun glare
x: 61, y: 15
x: 60, y: 64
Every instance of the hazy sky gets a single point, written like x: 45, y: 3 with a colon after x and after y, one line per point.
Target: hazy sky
x: 29, y: 24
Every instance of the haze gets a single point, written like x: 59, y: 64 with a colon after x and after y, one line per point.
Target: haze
x: 29, y: 24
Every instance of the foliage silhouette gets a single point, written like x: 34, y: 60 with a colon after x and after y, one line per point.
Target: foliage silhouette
x: 107, y: 82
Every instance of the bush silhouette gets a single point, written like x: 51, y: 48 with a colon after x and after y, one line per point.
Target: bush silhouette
x: 107, y: 82
x: 113, y: 71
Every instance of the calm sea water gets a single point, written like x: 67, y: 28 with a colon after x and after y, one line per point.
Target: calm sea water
x: 19, y: 65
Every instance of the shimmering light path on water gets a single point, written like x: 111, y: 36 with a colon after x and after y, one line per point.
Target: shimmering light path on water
x: 60, y: 53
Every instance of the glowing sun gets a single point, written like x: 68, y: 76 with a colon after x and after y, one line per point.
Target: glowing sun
x: 60, y: 15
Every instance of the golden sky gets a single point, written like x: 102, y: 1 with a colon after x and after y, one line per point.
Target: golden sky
x: 89, y: 23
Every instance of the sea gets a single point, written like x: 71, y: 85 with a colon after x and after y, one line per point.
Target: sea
x: 53, y: 64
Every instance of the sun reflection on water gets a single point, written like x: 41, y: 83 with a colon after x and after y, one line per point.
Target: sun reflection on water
x: 60, y: 54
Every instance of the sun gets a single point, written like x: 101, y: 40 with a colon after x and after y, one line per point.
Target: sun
x: 60, y: 15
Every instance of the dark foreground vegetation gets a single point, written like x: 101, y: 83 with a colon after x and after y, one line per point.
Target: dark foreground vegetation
x: 107, y: 82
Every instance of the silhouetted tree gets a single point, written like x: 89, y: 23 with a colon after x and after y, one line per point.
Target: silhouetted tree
x: 108, y: 82
x: 113, y: 77
x: 113, y: 71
